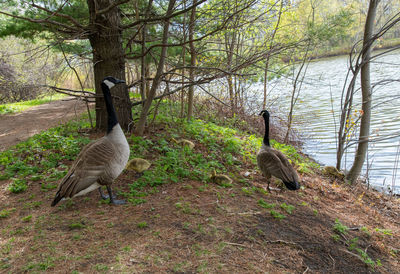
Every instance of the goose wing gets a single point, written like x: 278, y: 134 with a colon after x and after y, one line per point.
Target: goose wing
x: 89, y: 167
x: 287, y: 168
x: 273, y: 162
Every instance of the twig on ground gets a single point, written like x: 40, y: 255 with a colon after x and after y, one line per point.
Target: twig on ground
x: 245, y: 213
x: 333, y: 266
x: 284, y: 242
x: 355, y: 255
x: 235, y: 244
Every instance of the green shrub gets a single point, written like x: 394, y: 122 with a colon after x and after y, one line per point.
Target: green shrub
x: 18, y: 185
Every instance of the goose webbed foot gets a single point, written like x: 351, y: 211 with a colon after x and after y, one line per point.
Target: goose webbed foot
x: 138, y: 175
x: 113, y: 200
x: 105, y: 196
x: 117, y: 202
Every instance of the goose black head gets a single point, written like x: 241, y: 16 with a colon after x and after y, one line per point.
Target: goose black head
x: 264, y: 113
x: 111, y: 81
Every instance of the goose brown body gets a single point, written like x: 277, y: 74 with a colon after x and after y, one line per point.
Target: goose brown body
x: 274, y: 163
x: 100, y: 162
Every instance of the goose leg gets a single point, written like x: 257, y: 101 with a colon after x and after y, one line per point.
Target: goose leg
x: 268, y: 181
x: 112, y: 200
x: 104, y: 196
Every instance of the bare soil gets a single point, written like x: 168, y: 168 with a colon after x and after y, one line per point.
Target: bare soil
x: 18, y: 127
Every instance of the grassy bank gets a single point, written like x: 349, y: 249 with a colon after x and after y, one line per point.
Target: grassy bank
x: 178, y: 220
x: 21, y: 106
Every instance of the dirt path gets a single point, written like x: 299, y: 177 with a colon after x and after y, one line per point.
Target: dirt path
x: 15, y: 128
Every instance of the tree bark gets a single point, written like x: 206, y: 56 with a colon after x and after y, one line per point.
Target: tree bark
x: 229, y: 48
x: 108, y: 60
x: 183, y: 63
x: 157, y: 79
x: 144, y: 67
x: 192, y: 61
x: 362, y: 148
x: 269, y: 55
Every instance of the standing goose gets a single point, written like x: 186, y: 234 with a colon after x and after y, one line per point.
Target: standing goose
x: 274, y: 163
x: 101, y: 161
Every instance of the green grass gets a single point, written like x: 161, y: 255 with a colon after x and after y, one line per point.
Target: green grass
x: 288, y: 208
x: 4, y: 213
x: 338, y: 227
x: 21, y: 106
x: 353, y: 243
x: 383, y: 231
x: 277, y: 215
x: 26, y: 218
x: 142, y: 224
x: 264, y: 204
x: 225, y: 150
x: 76, y: 226
x: 41, y: 156
x: 18, y: 185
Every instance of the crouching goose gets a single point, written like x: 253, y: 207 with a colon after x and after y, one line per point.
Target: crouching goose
x: 274, y: 163
x: 100, y: 162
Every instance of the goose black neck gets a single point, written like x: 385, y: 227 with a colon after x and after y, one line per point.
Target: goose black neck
x: 112, y: 116
x: 266, y: 135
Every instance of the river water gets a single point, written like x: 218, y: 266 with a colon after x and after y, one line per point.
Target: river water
x: 318, y: 108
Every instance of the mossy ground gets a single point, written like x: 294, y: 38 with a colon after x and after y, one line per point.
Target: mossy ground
x: 176, y: 220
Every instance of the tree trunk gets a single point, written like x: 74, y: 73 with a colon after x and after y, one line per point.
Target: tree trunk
x: 268, y: 54
x: 229, y: 48
x: 344, y: 116
x: 183, y: 63
x: 144, y: 67
x: 192, y: 60
x: 157, y: 78
x: 108, y: 60
x: 295, y: 96
x: 362, y: 148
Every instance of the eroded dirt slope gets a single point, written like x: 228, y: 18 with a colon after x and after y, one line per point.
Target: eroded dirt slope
x: 193, y: 227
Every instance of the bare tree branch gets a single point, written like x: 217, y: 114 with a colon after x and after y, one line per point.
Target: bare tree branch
x: 110, y: 7
x: 162, y: 18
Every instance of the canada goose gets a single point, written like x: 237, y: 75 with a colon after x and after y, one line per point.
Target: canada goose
x: 274, y: 163
x: 138, y: 164
x: 220, y: 179
x: 101, y: 161
x: 184, y: 142
x: 332, y: 171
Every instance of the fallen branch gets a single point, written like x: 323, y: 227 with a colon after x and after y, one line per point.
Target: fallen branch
x: 355, y: 255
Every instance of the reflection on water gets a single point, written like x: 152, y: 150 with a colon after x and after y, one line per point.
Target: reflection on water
x: 316, y: 121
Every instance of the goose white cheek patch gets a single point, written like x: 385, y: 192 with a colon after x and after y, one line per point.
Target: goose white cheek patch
x: 109, y: 84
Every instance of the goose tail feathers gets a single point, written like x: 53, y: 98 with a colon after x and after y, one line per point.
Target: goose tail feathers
x: 292, y: 185
x: 56, y: 199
